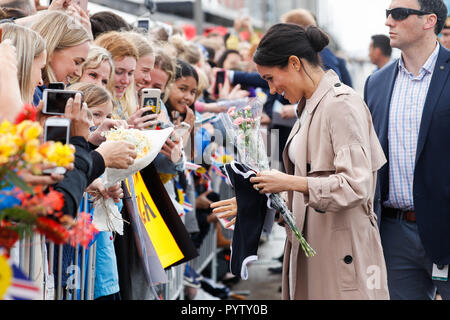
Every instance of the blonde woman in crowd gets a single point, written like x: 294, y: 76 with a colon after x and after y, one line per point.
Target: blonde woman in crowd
x: 125, y: 56
x: 67, y: 46
x: 142, y: 78
x: 9, y: 85
x: 145, y: 62
x: 98, y: 68
x: 31, y: 57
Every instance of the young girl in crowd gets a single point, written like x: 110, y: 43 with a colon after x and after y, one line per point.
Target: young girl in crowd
x: 99, y: 102
x: 67, y: 47
x: 31, y: 57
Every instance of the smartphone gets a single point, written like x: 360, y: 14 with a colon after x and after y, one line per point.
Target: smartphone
x: 220, y: 79
x: 151, y: 99
x: 180, y: 131
x: 83, y: 4
x: 56, y: 85
x: 143, y: 23
x: 55, y: 100
x: 57, y: 129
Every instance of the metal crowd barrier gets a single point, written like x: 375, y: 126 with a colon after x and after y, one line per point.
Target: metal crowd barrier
x: 207, y: 254
x: 42, y: 262
x: 174, y: 288
x: 67, y: 273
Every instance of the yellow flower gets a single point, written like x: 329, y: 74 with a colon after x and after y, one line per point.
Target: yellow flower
x: 33, y: 132
x: 7, y: 127
x: 59, y: 154
x: 8, y: 147
x: 29, y: 130
x: 32, y: 154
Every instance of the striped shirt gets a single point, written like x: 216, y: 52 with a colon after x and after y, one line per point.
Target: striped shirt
x: 405, y: 115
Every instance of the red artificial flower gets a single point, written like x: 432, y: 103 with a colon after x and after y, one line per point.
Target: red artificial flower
x: 52, y: 230
x: 54, y: 201
x: 8, y: 238
x: 28, y: 113
x: 83, y: 231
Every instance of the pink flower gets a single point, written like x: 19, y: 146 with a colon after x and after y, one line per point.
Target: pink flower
x: 238, y: 121
x: 231, y: 111
x: 83, y: 231
x: 248, y: 108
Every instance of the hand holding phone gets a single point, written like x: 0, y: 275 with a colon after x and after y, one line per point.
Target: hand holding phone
x: 55, y: 100
x: 180, y: 131
x: 220, y: 80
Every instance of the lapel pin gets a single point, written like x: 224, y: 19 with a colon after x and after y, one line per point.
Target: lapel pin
x: 442, y: 67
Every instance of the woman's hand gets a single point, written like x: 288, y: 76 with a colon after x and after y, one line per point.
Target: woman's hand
x: 137, y: 121
x: 172, y: 150
x: 98, y: 190
x: 226, y: 209
x: 272, y: 181
x: 117, y: 154
x: 43, y: 179
x: 77, y: 113
x: 202, y: 201
x: 96, y: 137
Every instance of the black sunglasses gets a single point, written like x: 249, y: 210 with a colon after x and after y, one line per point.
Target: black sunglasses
x: 403, y: 13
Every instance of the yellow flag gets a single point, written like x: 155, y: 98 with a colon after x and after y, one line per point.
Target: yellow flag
x: 165, y: 245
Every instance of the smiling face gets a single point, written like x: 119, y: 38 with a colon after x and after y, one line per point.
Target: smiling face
x: 182, y: 94
x: 67, y: 63
x: 123, y: 75
x: 98, y: 76
x: 285, y: 81
x: 142, y: 76
x: 159, y: 79
x: 101, y: 112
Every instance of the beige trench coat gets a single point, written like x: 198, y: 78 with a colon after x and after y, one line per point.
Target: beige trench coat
x: 338, y: 150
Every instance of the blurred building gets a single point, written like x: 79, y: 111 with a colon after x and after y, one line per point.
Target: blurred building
x: 209, y: 12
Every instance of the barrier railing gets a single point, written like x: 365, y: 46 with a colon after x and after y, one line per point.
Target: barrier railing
x: 67, y: 273
x: 207, y: 253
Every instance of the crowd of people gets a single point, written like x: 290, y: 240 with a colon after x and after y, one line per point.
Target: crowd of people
x: 334, y: 163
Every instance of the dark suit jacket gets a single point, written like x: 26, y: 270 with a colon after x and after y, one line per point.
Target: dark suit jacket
x: 431, y: 185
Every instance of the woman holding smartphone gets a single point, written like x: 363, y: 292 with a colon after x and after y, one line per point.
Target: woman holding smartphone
x: 67, y: 48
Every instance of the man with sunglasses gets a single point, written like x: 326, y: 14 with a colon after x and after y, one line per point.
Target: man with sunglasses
x: 410, y: 104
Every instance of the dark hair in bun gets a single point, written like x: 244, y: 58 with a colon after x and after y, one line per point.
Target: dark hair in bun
x: 318, y: 39
x: 284, y: 40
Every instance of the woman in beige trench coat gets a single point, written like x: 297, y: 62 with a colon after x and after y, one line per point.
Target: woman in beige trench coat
x: 331, y: 160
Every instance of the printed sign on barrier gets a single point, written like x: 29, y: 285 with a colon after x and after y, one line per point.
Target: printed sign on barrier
x: 165, y: 245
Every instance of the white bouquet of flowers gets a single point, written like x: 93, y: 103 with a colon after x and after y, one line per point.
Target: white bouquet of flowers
x: 148, y: 144
x: 242, y: 125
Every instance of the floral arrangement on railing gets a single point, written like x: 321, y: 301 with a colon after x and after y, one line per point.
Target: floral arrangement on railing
x: 25, y: 210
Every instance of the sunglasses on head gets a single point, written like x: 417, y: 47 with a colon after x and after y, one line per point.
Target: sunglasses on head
x: 403, y: 13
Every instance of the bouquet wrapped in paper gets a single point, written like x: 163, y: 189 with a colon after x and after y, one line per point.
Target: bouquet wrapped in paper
x: 243, y: 128
x: 148, y: 144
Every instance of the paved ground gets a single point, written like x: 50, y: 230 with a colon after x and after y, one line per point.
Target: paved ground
x: 262, y: 284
